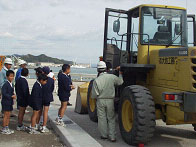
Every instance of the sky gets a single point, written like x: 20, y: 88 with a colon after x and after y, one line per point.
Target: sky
x: 66, y: 29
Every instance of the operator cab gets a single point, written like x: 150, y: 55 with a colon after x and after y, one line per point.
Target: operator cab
x: 131, y: 35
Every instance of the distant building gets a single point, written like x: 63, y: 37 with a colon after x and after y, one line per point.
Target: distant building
x: 32, y: 64
x: 81, y: 65
x: 45, y: 64
x: 84, y: 65
x: 58, y: 65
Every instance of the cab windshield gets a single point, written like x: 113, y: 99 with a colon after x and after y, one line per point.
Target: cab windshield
x: 164, y: 26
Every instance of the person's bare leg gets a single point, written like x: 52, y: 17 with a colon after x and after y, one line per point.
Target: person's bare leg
x: 45, y: 115
x: 6, y: 118
x: 34, y: 118
x: 59, y: 111
x: 62, y: 109
x: 21, y: 115
x: 39, y: 116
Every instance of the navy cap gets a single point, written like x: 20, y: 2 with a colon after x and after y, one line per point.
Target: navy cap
x: 46, y: 70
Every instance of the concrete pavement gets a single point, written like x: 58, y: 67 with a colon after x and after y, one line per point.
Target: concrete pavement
x: 165, y: 136
x: 24, y: 139
x: 72, y: 135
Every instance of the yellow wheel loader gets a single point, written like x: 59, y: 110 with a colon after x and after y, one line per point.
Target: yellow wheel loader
x: 156, y: 53
x: 2, y: 59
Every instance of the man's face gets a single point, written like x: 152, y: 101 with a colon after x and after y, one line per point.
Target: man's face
x: 8, y: 66
x: 23, y: 66
x: 10, y: 77
x: 43, y: 82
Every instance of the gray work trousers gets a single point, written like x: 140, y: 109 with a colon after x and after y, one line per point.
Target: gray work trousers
x: 106, y: 118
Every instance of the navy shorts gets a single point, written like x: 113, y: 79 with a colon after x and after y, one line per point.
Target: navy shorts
x: 64, y: 99
x: 37, y: 106
x: 7, y: 107
x: 46, y: 104
x: 22, y: 102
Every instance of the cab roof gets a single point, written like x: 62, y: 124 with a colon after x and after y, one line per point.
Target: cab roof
x: 158, y: 6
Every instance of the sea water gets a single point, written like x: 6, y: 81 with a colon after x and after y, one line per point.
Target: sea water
x: 73, y: 71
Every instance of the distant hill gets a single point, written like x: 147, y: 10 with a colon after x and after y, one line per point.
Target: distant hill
x: 43, y: 58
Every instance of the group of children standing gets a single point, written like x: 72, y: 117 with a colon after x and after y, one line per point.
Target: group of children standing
x: 39, y: 100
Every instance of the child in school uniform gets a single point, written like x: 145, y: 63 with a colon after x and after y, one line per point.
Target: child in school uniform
x: 64, y: 91
x: 22, y: 92
x: 48, y: 89
x: 7, y: 102
x: 36, y: 102
x: 38, y: 71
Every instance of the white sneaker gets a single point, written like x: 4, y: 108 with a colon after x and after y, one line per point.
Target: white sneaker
x: 21, y: 128
x: 37, y: 127
x: 27, y: 111
x: 33, y: 131
x: 40, y: 127
x: 12, y: 131
x: 45, y: 129
x: 41, y: 123
x: 62, y: 123
x: 59, y: 122
x: 6, y: 131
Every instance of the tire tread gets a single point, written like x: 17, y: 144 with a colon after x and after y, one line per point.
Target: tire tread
x: 144, y: 122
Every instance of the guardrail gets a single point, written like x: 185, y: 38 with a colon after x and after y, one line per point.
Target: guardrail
x: 75, y: 76
x: 83, y: 77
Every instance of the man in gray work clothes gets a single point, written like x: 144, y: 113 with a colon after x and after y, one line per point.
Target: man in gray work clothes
x: 104, y: 91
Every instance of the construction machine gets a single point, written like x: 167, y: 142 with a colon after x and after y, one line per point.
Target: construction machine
x: 156, y: 53
x: 2, y: 59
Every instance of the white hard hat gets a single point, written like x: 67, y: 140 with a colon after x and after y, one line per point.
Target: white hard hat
x: 101, y: 65
x: 21, y: 62
x: 8, y: 61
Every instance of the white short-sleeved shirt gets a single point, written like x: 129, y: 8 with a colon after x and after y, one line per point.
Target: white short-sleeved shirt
x: 51, y: 75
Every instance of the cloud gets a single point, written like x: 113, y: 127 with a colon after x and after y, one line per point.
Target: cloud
x: 61, y: 28
x: 6, y: 34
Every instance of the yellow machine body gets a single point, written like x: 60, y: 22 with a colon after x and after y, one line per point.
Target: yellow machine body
x: 2, y: 59
x: 175, y: 73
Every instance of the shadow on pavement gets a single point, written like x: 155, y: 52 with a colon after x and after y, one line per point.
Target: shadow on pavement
x: 165, y: 136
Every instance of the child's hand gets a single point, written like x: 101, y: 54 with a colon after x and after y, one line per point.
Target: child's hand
x: 14, y: 96
x: 118, y: 68
x: 72, y: 86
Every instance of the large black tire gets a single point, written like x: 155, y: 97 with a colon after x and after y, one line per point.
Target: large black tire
x: 92, y: 107
x: 136, y: 115
x: 194, y: 126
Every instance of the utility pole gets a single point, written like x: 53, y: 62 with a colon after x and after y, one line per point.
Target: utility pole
x: 186, y: 4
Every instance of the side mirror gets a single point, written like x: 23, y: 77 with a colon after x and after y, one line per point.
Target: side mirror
x: 177, y: 29
x: 160, y: 21
x: 116, y: 26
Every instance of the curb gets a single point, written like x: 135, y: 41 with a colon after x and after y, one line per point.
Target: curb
x: 72, y: 135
